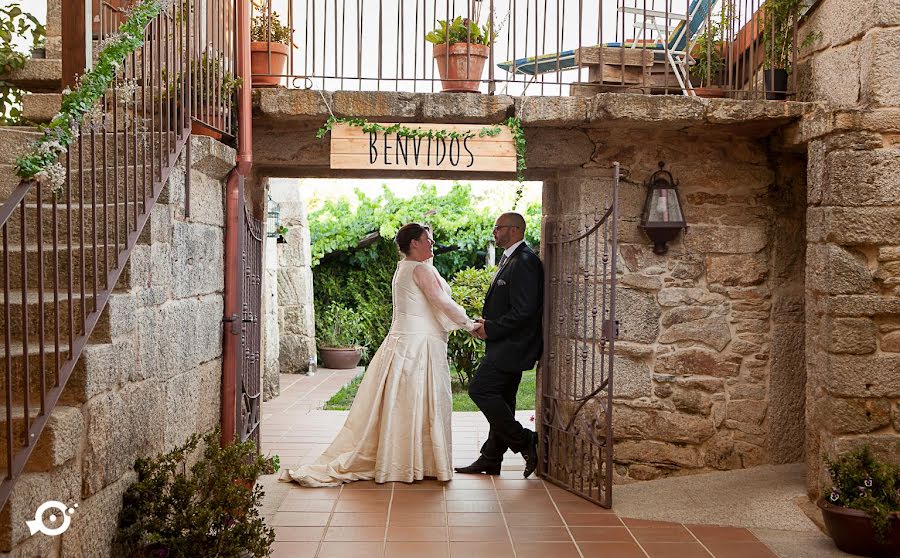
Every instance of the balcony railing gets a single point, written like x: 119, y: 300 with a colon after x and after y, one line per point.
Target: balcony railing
x: 539, y: 47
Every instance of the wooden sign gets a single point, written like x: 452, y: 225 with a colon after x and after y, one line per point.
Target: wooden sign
x: 351, y: 148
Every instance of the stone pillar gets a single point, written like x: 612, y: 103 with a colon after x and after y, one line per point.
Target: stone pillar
x: 271, y: 365
x: 295, y: 290
x: 853, y: 233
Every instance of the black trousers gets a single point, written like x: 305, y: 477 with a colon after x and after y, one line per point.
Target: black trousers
x: 494, y: 391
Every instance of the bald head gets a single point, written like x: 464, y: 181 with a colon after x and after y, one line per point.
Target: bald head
x: 509, y: 228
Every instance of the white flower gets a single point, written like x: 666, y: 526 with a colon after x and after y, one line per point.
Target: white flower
x: 126, y: 90
x: 53, y: 176
x: 108, y: 41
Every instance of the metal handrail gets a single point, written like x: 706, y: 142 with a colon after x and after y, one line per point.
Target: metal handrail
x: 68, y: 251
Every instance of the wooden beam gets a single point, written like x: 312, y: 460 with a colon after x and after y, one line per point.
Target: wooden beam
x: 74, y: 37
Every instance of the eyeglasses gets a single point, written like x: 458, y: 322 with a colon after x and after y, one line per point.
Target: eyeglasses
x: 498, y: 227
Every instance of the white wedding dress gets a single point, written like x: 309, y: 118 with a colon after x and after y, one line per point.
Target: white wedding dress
x: 398, y: 428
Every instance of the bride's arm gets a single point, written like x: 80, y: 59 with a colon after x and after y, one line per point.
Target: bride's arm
x: 427, y: 280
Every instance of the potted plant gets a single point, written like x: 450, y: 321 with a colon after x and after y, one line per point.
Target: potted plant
x: 862, y: 509
x: 338, y: 331
x: 708, y: 61
x: 460, y: 50
x: 199, y: 499
x: 779, y: 19
x: 269, y: 44
x: 213, y: 87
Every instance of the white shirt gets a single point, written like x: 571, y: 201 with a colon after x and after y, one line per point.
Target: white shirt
x: 509, y: 251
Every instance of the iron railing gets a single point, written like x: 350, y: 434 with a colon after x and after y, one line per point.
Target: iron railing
x: 62, y: 254
x: 540, y: 47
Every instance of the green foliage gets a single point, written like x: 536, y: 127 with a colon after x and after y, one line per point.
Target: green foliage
x: 265, y: 29
x: 14, y: 22
x: 778, y: 31
x: 525, y: 397
x: 862, y: 482
x: 218, y: 83
x: 212, y: 511
x: 401, y: 130
x: 339, y: 327
x: 460, y: 30
x: 343, y: 399
x: 62, y: 129
x: 708, y: 53
x: 465, y: 352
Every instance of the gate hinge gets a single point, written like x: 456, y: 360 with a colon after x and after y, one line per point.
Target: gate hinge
x: 610, y: 329
x: 235, y: 320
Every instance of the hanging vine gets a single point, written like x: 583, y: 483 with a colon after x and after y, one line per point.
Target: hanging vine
x: 514, y: 125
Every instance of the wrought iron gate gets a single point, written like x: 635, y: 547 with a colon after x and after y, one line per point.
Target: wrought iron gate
x: 579, y: 350
x: 249, y: 379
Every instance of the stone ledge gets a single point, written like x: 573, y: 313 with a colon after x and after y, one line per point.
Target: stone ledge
x: 40, y: 75
x: 281, y: 105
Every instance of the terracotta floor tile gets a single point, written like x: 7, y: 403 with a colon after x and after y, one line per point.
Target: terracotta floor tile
x: 367, y: 485
x: 479, y: 506
x: 368, y: 495
x: 662, y: 534
x: 362, y: 506
x: 481, y: 549
x: 292, y: 534
x: 467, y: 483
x: 356, y: 519
x: 475, y: 520
x: 295, y: 505
x: 398, y: 519
x: 611, y: 550
x: 720, y: 533
x: 478, y: 534
x: 351, y: 550
x: 294, y: 549
x: 675, y: 550
x: 530, y: 497
x: 418, y: 533
x: 581, y: 506
x: 533, y: 519
x: 601, y: 534
x: 298, y: 493
x: 300, y: 519
x: 519, y: 484
x: 539, y: 534
x: 426, y: 484
x: 403, y: 496
x: 592, y: 519
x: 354, y: 534
x: 739, y: 549
x: 417, y: 507
x: 647, y: 523
x: 547, y: 549
x: 405, y: 549
x: 515, y: 506
x: 469, y: 495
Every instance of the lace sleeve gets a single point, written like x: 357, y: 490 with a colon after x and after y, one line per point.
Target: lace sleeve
x: 450, y: 314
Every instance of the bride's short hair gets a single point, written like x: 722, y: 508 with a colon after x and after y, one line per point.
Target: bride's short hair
x: 408, y: 233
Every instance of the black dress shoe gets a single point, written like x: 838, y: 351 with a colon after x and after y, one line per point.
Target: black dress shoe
x: 531, y: 455
x: 481, y: 467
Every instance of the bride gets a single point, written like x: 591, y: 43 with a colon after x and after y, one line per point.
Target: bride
x: 398, y: 428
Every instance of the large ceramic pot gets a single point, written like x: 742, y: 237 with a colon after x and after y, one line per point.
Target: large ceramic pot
x: 268, y: 62
x: 852, y: 531
x: 775, y: 80
x: 709, y: 92
x: 461, y: 69
x: 340, y: 358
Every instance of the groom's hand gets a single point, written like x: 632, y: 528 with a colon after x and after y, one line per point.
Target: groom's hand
x: 478, y: 331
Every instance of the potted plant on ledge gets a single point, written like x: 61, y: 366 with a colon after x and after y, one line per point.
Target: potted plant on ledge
x: 338, y: 331
x: 270, y: 42
x: 460, y: 50
x: 213, y: 88
x: 862, y: 509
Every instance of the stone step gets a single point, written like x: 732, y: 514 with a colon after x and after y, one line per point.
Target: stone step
x: 15, y: 141
x: 104, y: 215
x: 55, y: 314
x: 40, y: 75
x: 58, y: 443
x: 41, y: 107
x: 63, y: 265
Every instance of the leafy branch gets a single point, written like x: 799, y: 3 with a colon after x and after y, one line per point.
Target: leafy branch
x: 401, y: 130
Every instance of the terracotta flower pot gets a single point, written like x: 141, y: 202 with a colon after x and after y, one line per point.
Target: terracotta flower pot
x: 340, y: 358
x: 852, y: 531
x: 709, y: 92
x: 461, y: 70
x: 268, y: 61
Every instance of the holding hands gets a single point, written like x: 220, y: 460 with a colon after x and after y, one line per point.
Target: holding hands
x: 478, y: 330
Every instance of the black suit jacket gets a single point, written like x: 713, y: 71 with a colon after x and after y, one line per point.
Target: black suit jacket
x: 513, y: 311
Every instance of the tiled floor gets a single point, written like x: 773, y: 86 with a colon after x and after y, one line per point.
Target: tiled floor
x: 471, y: 516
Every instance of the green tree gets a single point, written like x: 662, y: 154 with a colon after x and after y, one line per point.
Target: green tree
x: 465, y: 351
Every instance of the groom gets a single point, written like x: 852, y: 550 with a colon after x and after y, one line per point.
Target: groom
x: 511, y: 328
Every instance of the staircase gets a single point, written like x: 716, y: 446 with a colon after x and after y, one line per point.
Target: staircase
x: 66, y: 271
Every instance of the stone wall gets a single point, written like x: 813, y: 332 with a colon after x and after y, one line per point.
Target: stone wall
x: 696, y: 387
x: 148, y: 381
x: 271, y: 341
x: 853, y: 231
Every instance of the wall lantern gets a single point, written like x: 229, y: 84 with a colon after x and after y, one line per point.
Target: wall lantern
x: 662, y: 218
x: 273, y: 219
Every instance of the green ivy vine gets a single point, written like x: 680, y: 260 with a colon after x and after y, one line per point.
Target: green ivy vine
x: 514, y: 124
x: 41, y: 162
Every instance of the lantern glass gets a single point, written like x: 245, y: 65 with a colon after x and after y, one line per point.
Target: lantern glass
x: 663, y: 206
